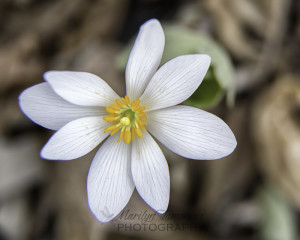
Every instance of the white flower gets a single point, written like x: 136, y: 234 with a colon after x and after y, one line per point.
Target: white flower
x: 85, y: 111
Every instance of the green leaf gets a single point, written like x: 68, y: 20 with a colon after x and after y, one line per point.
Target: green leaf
x: 277, y: 219
x: 208, y: 94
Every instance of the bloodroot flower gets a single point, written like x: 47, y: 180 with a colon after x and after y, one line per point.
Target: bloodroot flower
x: 85, y: 111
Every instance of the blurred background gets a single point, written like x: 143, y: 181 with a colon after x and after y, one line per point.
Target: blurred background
x: 253, y: 85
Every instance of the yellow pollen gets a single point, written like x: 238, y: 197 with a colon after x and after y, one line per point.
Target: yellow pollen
x: 127, y: 117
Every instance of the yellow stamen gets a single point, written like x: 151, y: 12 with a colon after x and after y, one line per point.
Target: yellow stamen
x: 119, y: 102
x: 127, y: 100
x: 135, y: 103
x: 112, y: 108
x: 112, y: 127
x: 139, y: 133
x: 132, y: 133
x: 126, y: 118
x: 142, y: 122
x: 121, y: 135
x: 127, y: 135
x: 142, y: 127
x: 115, y: 131
x: 139, y: 108
x: 111, y: 117
x: 142, y: 115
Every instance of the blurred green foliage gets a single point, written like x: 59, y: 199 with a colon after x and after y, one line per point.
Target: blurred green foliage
x: 277, y: 221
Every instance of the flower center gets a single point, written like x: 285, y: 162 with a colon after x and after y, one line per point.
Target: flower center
x: 126, y: 117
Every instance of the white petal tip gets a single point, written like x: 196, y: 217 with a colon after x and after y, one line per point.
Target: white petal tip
x: 207, y: 58
x: 152, y: 21
x: 103, y: 218
x: 233, y: 146
x: 160, y: 211
x: 49, y: 74
x: 45, y: 154
x: 101, y: 215
x: 22, y: 99
x: 231, y: 143
x: 204, y: 59
x: 228, y: 148
x: 21, y: 96
x: 153, y: 26
x: 55, y: 75
x: 50, y: 155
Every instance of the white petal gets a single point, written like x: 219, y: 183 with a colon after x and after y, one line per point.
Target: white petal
x: 191, y: 132
x: 109, y: 184
x: 81, y: 88
x: 43, y: 106
x: 144, y: 58
x: 150, y: 173
x: 75, y: 139
x: 175, y: 81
